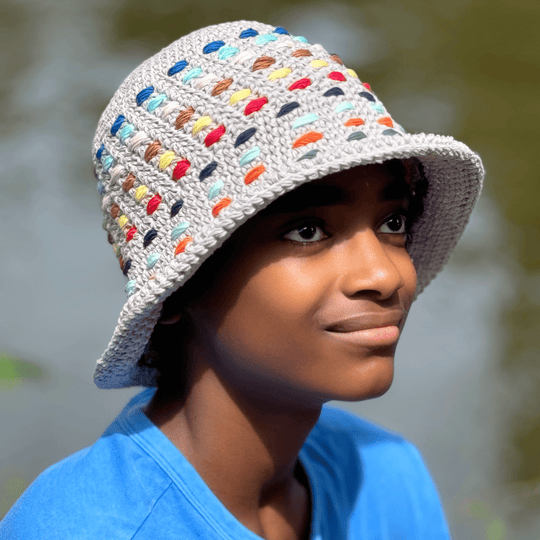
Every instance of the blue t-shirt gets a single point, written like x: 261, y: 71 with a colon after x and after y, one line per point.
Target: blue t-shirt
x: 133, y: 483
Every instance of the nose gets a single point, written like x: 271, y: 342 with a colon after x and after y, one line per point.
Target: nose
x: 370, y: 266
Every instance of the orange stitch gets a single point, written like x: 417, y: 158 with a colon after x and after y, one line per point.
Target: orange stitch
x: 311, y: 136
x: 386, y: 121
x: 221, y: 86
x: 221, y: 205
x: 254, y: 173
x: 115, y: 210
x: 263, y: 62
x: 354, y: 122
x: 301, y: 52
x: 183, y: 117
x: 337, y: 59
x: 181, y: 247
x: 128, y: 183
x: 152, y: 150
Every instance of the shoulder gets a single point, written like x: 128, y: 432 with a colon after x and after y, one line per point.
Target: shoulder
x: 97, y: 492
x: 375, y: 476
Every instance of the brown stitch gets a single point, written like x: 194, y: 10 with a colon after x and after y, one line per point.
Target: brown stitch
x: 301, y: 52
x: 263, y: 62
x: 184, y: 117
x: 221, y: 86
x: 115, y: 210
x: 337, y: 59
x: 110, y: 238
x: 121, y: 261
x: 128, y: 183
x: 152, y: 150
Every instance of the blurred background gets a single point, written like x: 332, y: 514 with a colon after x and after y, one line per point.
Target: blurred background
x: 467, y: 369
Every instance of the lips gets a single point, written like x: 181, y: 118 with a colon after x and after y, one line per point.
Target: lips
x: 367, y: 321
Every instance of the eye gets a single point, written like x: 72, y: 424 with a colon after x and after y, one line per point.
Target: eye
x: 394, y: 225
x: 306, y: 233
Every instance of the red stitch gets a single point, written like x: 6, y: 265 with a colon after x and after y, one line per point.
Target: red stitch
x: 220, y: 205
x: 336, y: 76
x: 300, y: 84
x: 255, y: 105
x: 366, y: 85
x: 354, y: 122
x: 311, y: 136
x: 131, y: 233
x: 181, y: 168
x: 181, y: 247
x: 386, y: 121
x: 214, y: 136
x: 254, y: 173
x: 153, y: 204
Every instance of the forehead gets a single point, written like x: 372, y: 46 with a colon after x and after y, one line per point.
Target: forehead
x: 343, y: 187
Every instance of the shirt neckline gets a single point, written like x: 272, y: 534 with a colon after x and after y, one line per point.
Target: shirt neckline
x: 186, y: 478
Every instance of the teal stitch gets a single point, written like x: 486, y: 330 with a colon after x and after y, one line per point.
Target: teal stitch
x: 107, y: 162
x: 215, y: 189
x: 306, y: 119
x: 377, y: 107
x: 265, y: 38
x: 126, y: 132
x: 227, y: 52
x: 344, y: 106
x: 179, y: 230
x: 156, y: 102
x: 302, y: 39
x: 151, y: 260
x: 309, y: 155
x: 250, y: 155
x: 191, y: 74
x: 356, y: 136
x: 130, y: 287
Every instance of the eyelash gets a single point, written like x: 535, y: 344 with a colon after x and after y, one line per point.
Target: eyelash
x: 315, y: 222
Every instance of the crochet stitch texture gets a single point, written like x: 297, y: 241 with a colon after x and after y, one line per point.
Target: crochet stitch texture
x: 215, y: 127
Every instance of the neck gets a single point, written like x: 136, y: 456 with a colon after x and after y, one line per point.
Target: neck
x: 245, y: 447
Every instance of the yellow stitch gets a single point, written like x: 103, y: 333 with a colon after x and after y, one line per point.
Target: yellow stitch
x: 122, y: 220
x: 201, y: 123
x: 318, y: 63
x: 279, y: 73
x: 352, y: 73
x: 140, y: 192
x: 238, y: 96
x: 166, y: 159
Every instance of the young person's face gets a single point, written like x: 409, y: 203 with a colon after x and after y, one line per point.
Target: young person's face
x: 271, y: 320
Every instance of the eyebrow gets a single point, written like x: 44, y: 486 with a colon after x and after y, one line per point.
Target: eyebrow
x: 321, y: 195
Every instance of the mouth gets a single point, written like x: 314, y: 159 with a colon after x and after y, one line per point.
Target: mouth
x: 367, y: 321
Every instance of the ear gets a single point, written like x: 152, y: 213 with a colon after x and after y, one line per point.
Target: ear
x: 169, y: 319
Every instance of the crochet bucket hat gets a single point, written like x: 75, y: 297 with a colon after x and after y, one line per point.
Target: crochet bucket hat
x: 215, y: 127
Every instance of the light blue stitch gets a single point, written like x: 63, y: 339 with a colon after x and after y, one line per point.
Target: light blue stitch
x: 191, y: 74
x: 227, y: 52
x: 151, y: 260
x: 215, y: 189
x: 108, y: 162
x: 179, y: 230
x: 306, y: 119
x: 302, y: 39
x: 250, y: 155
x: 156, y: 102
x: 344, y: 106
x: 101, y: 188
x: 377, y: 107
x: 130, y: 287
x: 126, y: 132
x: 265, y: 38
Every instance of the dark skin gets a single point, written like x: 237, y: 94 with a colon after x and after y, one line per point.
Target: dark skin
x: 262, y: 359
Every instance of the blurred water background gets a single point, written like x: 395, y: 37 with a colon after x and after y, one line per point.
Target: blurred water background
x: 467, y: 375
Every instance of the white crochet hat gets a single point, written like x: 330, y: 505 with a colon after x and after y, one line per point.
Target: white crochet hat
x: 218, y: 125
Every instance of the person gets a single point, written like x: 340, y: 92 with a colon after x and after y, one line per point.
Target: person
x: 275, y: 225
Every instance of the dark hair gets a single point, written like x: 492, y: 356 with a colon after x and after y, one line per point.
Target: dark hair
x: 166, y: 351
